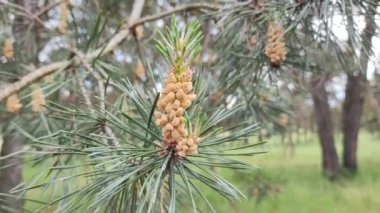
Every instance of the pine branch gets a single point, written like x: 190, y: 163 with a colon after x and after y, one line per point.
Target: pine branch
x: 195, y: 6
x: 32, y: 77
x: 107, y: 130
x: 41, y: 72
x: 85, y: 94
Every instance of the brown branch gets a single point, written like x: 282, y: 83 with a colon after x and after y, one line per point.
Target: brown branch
x: 39, y: 73
x: 188, y: 7
x: 85, y: 94
x: 30, y: 78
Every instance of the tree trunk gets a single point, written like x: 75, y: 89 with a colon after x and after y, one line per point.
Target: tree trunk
x: 330, y: 164
x: 11, y: 174
x: 352, y: 112
x: 355, y: 93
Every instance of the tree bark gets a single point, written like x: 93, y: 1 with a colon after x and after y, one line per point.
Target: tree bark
x: 11, y: 174
x: 352, y: 112
x: 330, y: 164
x: 355, y: 93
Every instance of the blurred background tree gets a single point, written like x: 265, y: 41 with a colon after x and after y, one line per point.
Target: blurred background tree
x: 287, y: 62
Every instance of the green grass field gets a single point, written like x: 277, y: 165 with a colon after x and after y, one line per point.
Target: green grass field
x: 285, y: 184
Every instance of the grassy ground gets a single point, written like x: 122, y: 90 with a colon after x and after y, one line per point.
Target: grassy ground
x: 294, y: 184
x: 285, y: 184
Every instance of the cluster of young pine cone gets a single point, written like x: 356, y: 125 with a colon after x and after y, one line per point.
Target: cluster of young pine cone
x: 188, y: 145
x: 175, y: 98
x: 8, y: 49
x: 63, y: 15
x: 140, y: 71
x: 275, y: 48
x: 38, y: 100
x: 283, y: 119
x: 14, y: 105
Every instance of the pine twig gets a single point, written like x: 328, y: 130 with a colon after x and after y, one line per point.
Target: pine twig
x: 85, y: 94
x: 107, y: 130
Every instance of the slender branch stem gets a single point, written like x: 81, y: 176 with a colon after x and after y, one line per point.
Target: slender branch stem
x: 107, y: 130
x: 32, y: 77
x: 94, y: 74
x: 85, y: 94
